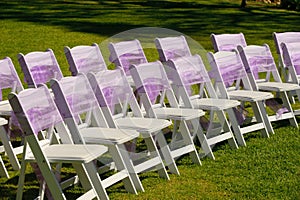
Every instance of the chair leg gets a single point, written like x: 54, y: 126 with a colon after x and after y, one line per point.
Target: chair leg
x: 202, y: 139
x: 286, y: 103
x: 165, y: 150
x: 261, y: 115
x: 130, y: 167
x: 152, y: 148
x: 9, y: 149
x: 236, y: 128
x: 188, y: 141
x: 92, y: 175
x: 3, y: 171
x: 21, y: 179
x: 121, y: 167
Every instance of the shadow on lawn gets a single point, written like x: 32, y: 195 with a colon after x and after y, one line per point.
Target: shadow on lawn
x: 111, y: 17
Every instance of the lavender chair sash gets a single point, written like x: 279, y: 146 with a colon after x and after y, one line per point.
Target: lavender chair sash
x: 153, y: 87
x: 175, y: 53
x: 85, y: 65
x: 43, y: 73
x: 261, y: 64
x: 114, y: 88
x: 128, y: 59
x: 296, y: 61
x: 42, y: 118
x: 7, y: 81
x: 227, y: 47
x: 228, y: 73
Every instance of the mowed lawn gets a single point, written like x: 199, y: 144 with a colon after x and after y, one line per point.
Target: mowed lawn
x: 264, y: 169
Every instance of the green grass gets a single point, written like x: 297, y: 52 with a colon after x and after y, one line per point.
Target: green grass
x: 265, y: 169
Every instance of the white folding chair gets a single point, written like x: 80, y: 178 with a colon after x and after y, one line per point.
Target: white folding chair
x: 115, y: 96
x: 263, y: 75
x: 152, y: 84
x: 126, y: 53
x: 187, y: 72
x: 41, y: 115
x: 78, y: 105
x: 84, y: 59
x: 39, y: 67
x: 231, y: 82
x: 284, y: 37
x: 291, y: 59
x: 227, y: 42
x: 9, y: 82
x: 180, y: 69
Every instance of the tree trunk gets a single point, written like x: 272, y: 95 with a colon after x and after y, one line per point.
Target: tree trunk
x: 243, y: 4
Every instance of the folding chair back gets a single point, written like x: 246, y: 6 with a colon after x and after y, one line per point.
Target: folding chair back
x: 291, y: 59
x: 42, y: 115
x: 9, y: 79
x: 151, y: 79
x: 39, y: 67
x: 227, y: 42
x: 127, y: 53
x: 84, y: 59
x: 228, y: 72
x: 259, y: 62
x: 172, y: 47
x: 284, y: 37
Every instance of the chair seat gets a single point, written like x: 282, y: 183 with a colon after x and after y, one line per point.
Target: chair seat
x: 5, y: 108
x: 72, y: 153
x: 250, y: 96
x: 277, y: 86
x: 142, y: 125
x: 178, y: 113
x: 3, y: 121
x: 96, y: 135
x: 214, y: 104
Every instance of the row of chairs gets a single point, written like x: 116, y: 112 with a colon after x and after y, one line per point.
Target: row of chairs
x: 94, y: 106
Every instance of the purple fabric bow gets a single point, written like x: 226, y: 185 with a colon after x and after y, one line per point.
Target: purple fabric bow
x: 276, y: 107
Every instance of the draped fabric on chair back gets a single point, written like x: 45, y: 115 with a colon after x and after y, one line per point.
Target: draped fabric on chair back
x: 227, y: 67
x: 127, y: 53
x: 114, y: 89
x: 79, y: 94
x: 39, y: 108
x: 291, y: 55
x: 227, y: 42
x: 84, y: 59
x: 285, y: 37
x: 153, y: 79
x: 172, y: 47
x: 40, y: 67
x: 9, y: 77
x: 260, y: 59
x: 187, y: 71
